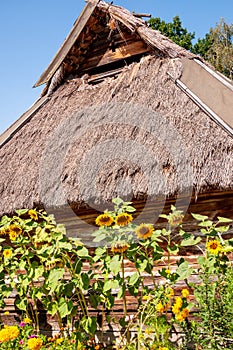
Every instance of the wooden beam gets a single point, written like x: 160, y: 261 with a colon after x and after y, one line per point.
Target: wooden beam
x: 122, y: 52
x: 140, y: 15
x: 68, y: 43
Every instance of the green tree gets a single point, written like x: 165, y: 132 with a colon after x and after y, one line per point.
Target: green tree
x: 217, y: 47
x: 202, y: 46
x: 220, y: 53
x: 174, y: 31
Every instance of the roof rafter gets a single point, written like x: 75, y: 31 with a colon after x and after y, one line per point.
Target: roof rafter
x: 68, y: 43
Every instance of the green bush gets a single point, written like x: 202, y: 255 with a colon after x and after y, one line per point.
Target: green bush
x: 44, y: 267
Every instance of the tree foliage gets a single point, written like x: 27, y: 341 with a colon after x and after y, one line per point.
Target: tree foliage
x: 174, y: 31
x: 216, y: 47
x: 220, y: 53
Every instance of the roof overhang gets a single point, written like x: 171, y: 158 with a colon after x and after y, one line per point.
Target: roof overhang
x: 68, y: 43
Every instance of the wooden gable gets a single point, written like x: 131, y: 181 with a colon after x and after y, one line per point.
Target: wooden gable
x: 97, y: 45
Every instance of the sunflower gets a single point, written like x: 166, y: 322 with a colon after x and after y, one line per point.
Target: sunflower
x: 15, y: 228
x: 4, y: 232
x: 33, y: 214
x: 144, y: 231
x: 104, y: 220
x: 12, y: 235
x: 123, y: 219
x: 7, y: 253
x: 213, y: 246
x: 119, y: 247
x: 176, y: 219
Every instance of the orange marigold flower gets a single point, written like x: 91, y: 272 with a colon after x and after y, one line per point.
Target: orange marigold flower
x: 175, y: 309
x: 170, y: 293
x: 163, y: 348
x: 104, y: 220
x: 35, y: 343
x: 185, y: 312
x: 123, y: 219
x: 160, y: 307
x: 33, y: 214
x: 179, y: 301
x: 8, y: 333
x: 144, y: 231
x: 182, y: 315
x: 185, y: 292
x: 14, y: 332
x: 177, y: 306
x: 119, y: 247
x: 4, y: 335
x: 179, y: 317
x: 214, y: 246
x: 7, y: 253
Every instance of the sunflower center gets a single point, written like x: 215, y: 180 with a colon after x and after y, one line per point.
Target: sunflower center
x: 214, y: 246
x: 143, y: 230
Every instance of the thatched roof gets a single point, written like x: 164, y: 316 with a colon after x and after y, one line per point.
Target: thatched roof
x: 126, y: 128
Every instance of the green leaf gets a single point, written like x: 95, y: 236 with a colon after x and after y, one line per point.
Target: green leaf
x: 83, y: 252
x: 92, y: 325
x: 85, y: 280
x: 141, y: 265
x: 173, y: 249
x: 100, y: 251
x: 133, y: 279
x: 65, y: 307
x: 65, y: 245
x: 110, y: 284
x: 221, y: 219
x: 5, y: 220
x: 184, y: 271
x: 21, y: 304
x: 190, y: 241
x: 201, y: 260
x: 38, y: 272
x: 99, y: 238
x: 21, y: 211
x: 52, y: 308
x: 115, y: 264
x: 162, y: 325
x: 117, y: 201
x: 199, y: 217
x: 164, y: 216
x: 53, y: 279
x: 129, y: 209
x: 207, y: 223
x: 223, y: 228
x: 94, y: 300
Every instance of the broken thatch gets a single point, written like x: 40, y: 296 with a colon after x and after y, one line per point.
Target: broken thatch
x: 129, y: 132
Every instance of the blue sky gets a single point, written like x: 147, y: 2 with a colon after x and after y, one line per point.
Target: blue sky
x: 32, y: 32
